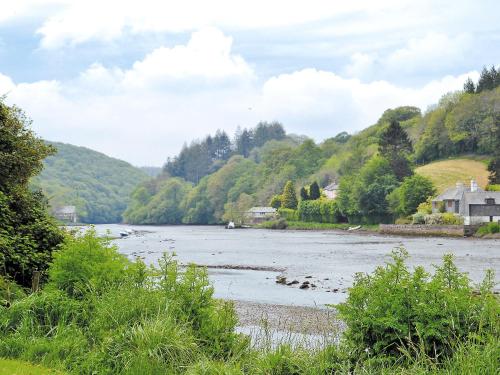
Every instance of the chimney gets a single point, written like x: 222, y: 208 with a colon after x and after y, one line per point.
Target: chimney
x: 473, y: 186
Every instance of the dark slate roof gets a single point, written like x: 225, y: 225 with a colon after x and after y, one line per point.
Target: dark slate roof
x: 481, y: 196
x: 455, y: 193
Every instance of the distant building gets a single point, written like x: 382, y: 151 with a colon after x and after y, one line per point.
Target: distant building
x: 475, y: 205
x: 66, y: 214
x: 331, y: 191
x: 259, y: 214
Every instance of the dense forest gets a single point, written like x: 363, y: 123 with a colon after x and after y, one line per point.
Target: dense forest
x: 217, y: 174
x: 98, y: 185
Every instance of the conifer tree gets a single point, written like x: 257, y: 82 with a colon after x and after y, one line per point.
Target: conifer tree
x: 303, y: 194
x: 289, y: 198
x: 396, y: 147
x: 314, y: 192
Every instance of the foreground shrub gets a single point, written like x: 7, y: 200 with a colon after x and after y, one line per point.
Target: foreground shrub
x: 100, y: 313
x: 490, y: 228
x: 395, y: 308
x: 87, y: 264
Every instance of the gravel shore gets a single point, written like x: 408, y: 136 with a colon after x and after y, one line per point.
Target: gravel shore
x: 298, y: 319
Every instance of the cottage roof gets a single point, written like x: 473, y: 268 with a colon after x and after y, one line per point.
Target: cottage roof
x: 480, y: 197
x: 332, y: 187
x: 269, y: 210
x: 455, y: 193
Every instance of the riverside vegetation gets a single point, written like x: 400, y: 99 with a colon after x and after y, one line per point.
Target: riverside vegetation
x: 101, y: 313
x: 216, y: 179
x: 71, y: 302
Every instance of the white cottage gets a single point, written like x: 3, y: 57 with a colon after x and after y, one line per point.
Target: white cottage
x: 331, y: 191
x: 475, y: 205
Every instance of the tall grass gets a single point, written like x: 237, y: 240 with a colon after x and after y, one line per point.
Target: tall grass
x: 102, y: 314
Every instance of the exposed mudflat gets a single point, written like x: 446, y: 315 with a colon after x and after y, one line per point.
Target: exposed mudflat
x: 295, y: 268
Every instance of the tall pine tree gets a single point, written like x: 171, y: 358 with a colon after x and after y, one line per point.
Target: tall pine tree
x: 396, y: 147
x: 494, y: 164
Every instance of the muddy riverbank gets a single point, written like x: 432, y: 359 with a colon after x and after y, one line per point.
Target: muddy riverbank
x: 243, y: 265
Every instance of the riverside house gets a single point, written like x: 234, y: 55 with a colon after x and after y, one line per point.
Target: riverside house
x: 259, y: 214
x: 331, y: 191
x: 475, y: 205
x: 66, y: 214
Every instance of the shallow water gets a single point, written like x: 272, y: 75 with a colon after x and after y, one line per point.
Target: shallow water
x: 330, y: 257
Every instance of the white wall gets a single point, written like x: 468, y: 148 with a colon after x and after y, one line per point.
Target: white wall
x: 472, y: 220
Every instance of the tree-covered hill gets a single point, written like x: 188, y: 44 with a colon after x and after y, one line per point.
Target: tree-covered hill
x: 98, y: 185
x: 217, y: 175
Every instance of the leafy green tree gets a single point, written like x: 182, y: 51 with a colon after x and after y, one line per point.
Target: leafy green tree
x: 314, y: 192
x: 414, y: 190
x: 28, y: 235
x: 275, y: 201
x: 396, y: 147
x: 304, y: 195
x: 289, y: 198
x: 494, y: 164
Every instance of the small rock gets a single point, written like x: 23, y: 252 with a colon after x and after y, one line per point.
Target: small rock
x: 292, y: 282
x: 306, y: 283
x: 309, y: 277
x: 304, y: 286
x: 326, y: 278
x: 335, y: 290
x: 313, y: 285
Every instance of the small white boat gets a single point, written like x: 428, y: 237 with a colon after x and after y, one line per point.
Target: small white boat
x: 230, y: 225
x: 354, y: 228
x: 124, y: 234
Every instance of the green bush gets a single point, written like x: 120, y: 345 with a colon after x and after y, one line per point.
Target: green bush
x: 88, y: 264
x: 446, y: 218
x: 395, y: 308
x: 275, y: 224
x: 288, y: 214
x: 100, y: 313
x: 492, y: 187
x: 319, y: 211
x: 490, y: 228
x: 418, y: 218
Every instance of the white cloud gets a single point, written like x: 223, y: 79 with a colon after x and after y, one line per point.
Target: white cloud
x: 77, y: 21
x: 127, y: 114
x: 431, y: 53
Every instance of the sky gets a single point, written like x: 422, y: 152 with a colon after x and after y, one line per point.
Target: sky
x: 138, y: 79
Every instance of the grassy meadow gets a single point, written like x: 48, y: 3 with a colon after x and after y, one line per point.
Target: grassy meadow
x: 446, y: 173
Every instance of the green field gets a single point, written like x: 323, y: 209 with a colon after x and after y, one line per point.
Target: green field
x: 446, y: 173
x: 15, y: 367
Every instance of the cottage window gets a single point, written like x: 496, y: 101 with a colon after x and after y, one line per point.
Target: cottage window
x: 450, y: 204
x: 490, y: 201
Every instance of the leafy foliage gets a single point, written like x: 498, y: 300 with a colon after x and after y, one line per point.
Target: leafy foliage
x: 414, y: 190
x: 99, y: 186
x: 395, y: 308
x: 28, y: 235
x: 289, y: 197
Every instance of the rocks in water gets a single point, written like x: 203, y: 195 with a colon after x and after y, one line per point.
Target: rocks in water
x: 335, y: 290
x: 292, y: 282
x: 309, y: 277
x: 313, y: 285
x: 305, y: 285
x: 280, y: 280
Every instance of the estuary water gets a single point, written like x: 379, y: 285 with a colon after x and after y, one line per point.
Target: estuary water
x: 243, y: 264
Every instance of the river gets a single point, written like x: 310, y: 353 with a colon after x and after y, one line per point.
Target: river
x: 243, y: 264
